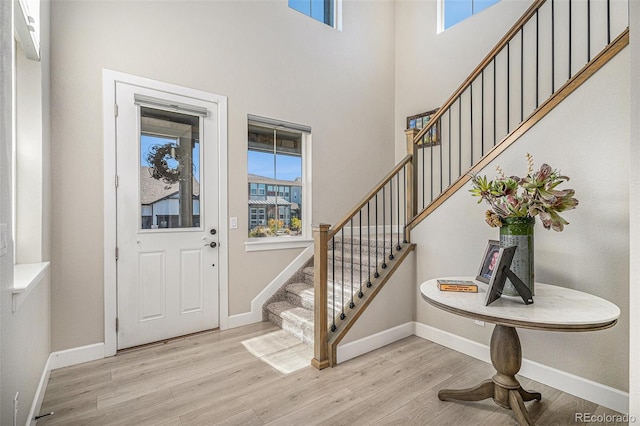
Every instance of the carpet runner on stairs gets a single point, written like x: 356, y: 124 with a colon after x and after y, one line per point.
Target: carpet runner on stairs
x: 352, y: 263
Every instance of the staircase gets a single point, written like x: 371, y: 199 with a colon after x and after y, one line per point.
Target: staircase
x: 353, y: 262
x: 510, y: 91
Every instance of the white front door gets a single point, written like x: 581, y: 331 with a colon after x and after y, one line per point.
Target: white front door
x: 167, y: 215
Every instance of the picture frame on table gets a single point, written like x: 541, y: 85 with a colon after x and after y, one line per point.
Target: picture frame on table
x: 489, y: 261
x: 502, y: 271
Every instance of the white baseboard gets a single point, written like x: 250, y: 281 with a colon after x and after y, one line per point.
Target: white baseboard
x: 75, y: 356
x: 58, y: 360
x: 356, y: 348
x: 566, y: 382
x: 36, y: 405
x: 256, y: 304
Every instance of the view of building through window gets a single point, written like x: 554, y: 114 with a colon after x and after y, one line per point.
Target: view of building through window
x: 169, y: 169
x: 275, y: 177
x: 320, y: 10
x: 456, y: 11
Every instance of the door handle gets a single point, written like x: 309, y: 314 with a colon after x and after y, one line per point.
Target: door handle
x: 213, y: 244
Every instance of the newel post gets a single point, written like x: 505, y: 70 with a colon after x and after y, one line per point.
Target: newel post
x: 320, y: 320
x: 412, y: 179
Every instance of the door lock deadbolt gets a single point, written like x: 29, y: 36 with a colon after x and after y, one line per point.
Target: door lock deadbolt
x: 213, y: 231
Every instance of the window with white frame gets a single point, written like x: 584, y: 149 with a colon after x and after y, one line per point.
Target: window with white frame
x: 321, y: 10
x: 455, y: 11
x: 28, y: 150
x: 277, y: 167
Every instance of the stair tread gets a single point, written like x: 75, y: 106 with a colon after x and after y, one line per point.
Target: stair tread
x: 366, y: 273
x: 300, y: 289
x: 367, y: 242
x: 295, y: 314
x: 287, y: 311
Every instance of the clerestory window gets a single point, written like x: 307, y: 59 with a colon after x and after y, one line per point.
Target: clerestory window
x: 320, y: 10
x: 455, y: 11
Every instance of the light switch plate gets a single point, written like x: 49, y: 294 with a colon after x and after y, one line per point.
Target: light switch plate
x: 4, y: 239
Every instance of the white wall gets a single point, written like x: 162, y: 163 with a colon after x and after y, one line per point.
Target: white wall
x: 634, y: 217
x: 588, y: 141
x: 6, y: 126
x: 430, y: 66
x: 268, y: 60
x: 25, y: 334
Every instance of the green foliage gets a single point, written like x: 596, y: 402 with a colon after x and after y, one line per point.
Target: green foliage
x: 260, y: 231
x: 530, y: 196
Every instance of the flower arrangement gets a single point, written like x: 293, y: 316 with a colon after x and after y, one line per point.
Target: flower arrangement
x: 530, y: 196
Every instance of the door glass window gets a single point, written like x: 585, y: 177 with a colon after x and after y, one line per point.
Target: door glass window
x: 170, y: 177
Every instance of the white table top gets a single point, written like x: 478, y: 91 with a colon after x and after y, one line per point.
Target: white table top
x: 554, y: 308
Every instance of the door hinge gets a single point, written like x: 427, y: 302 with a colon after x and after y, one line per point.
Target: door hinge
x: 117, y: 181
x: 117, y: 325
x: 115, y: 110
x: 117, y: 253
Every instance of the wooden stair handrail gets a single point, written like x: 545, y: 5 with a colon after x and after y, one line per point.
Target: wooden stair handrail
x: 569, y: 87
x: 336, y: 228
x: 528, y: 14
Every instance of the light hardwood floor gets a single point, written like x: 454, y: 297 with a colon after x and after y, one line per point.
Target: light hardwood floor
x: 214, y: 378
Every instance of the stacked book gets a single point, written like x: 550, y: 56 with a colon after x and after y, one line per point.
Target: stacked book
x: 458, y: 285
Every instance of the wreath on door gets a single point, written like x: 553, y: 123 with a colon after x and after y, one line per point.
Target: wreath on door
x: 158, y: 160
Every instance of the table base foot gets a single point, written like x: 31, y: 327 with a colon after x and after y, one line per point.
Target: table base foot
x: 529, y: 396
x: 519, y: 410
x: 507, y: 398
x: 483, y: 391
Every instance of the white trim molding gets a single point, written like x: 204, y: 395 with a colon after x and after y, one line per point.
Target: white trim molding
x: 367, y: 344
x: 36, y: 405
x: 73, y: 356
x: 109, y: 80
x: 26, y: 277
x: 566, y: 382
x: 57, y: 360
x: 256, y: 304
x: 279, y: 243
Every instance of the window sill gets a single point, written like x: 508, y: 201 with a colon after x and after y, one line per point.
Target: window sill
x: 26, y: 277
x: 280, y: 243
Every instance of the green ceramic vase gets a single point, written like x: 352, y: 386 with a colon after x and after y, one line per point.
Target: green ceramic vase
x: 518, y: 231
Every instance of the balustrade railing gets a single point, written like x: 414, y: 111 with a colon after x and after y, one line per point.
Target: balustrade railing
x: 549, y: 47
x: 353, y: 254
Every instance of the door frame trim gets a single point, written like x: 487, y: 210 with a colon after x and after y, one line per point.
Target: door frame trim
x: 109, y: 80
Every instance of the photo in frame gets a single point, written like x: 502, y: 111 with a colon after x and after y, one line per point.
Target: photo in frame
x: 489, y: 261
x: 501, y: 272
x: 418, y: 121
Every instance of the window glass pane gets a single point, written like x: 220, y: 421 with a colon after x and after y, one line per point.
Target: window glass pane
x: 320, y: 10
x: 303, y: 6
x: 456, y: 10
x: 169, y: 169
x: 275, y: 166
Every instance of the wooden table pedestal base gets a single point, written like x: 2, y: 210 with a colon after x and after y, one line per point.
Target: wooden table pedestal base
x: 504, y: 388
